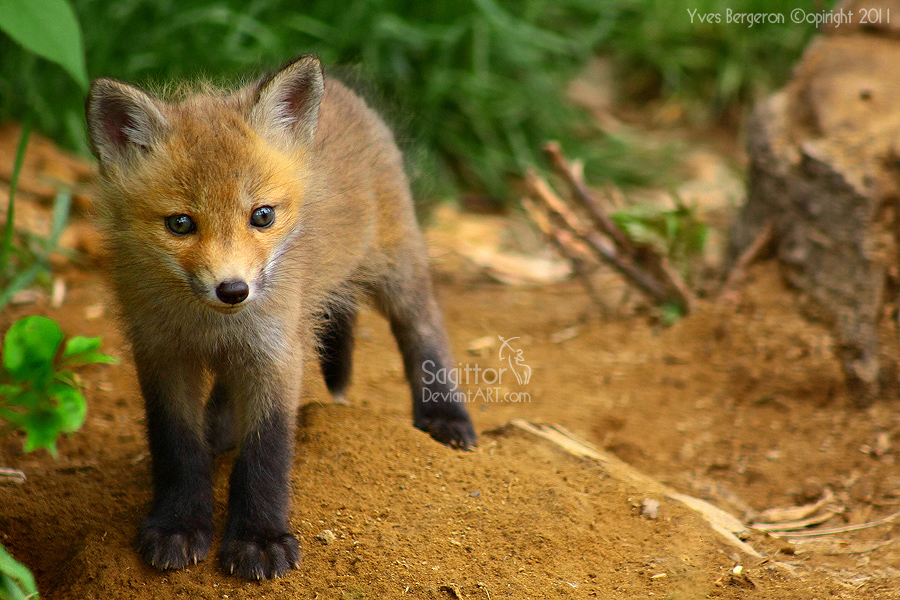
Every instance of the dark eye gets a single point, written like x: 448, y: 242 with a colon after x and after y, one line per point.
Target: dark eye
x: 180, y: 224
x: 262, y: 217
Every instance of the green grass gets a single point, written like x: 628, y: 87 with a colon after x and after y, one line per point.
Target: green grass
x: 474, y: 87
x: 710, y: 68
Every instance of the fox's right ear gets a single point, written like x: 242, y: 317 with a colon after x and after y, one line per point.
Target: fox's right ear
x: 123, y: 121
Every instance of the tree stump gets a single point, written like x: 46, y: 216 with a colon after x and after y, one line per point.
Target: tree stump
x: 825, y: 171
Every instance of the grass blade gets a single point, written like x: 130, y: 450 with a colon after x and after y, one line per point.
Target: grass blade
x: 9, y: 229
x: 61, y: 206
x: 19, y: 283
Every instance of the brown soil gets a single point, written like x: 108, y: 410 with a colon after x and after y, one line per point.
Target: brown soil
x: 741, y: 404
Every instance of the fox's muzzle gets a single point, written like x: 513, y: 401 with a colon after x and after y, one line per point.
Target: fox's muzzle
x: 233, y: 291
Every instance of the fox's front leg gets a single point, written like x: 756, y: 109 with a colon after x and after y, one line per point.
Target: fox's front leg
x: 258, y: 543
x: 178, y: 530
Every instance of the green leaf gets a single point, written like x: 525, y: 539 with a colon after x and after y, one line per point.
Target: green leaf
x: 16, y: 418
x: 10, y: 590
x: 90, y: 358
x: 50, y: 29
x: 16, y: 581
x: 7, y: 391
x: 27, y: 398
x: 671, y: 312
x: 82, y: 350
x: 41, y: 430
x: 71, y: 407
x: 29, y: 347
x: 79, y: 344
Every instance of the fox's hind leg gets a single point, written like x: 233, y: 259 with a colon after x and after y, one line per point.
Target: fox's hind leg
x: 405, y: 297
x: 336, y: 348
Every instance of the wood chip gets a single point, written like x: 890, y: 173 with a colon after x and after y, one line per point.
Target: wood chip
x: 794, y: 513
x: 566, y: 334
x: 12, y: 475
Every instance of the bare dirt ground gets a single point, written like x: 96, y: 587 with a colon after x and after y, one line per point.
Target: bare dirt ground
x: 741, y: 404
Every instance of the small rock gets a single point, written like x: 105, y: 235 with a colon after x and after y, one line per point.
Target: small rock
x: 29, y: 296
x: 94, y: 311
x: 650, y: 508
x: 482, y: 345
x: 326, y: 537
x: 58, y: 295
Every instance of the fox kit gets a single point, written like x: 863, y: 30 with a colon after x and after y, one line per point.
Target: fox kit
x: 242, y: 229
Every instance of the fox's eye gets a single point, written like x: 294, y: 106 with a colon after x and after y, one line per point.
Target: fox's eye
x: 180, y: 224
x: 262, y: 217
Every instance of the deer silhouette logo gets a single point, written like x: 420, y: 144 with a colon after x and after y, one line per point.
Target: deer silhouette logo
x: 516, y: 361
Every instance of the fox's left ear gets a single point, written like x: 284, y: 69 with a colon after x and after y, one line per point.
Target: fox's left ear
x: 287, y: 103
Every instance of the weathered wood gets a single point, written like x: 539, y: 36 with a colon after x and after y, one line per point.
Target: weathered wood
x: 824, y: 171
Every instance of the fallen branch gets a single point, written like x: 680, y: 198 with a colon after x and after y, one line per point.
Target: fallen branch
x: 777, y: 516
x: 644, y: 267
x: 566, y: 245
x: 602, y: 247
x: 576, y: 181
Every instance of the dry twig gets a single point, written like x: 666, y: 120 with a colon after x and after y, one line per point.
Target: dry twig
x: 566, y: 245
x: 846, y: 528
x: 599, y: 236
x: 595, y: 210
x: 750, y: 255
x: 14, y: 475
x: 601, y: 247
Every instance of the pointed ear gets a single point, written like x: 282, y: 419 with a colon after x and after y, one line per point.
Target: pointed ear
x: 286, y: 106
x: 123, y: 121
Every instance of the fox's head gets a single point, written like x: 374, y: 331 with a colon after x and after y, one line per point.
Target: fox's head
x: 205, y: 193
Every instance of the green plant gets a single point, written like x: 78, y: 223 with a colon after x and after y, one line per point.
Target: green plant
x: 710, y: 66
x: 16, y: 581
x: 474, y: 87
x: 676, y: 233
x: 47, y: 28
x: 31, y: 401
x: 39, y: 395
x: 38, y: 390
x: 28, y: 259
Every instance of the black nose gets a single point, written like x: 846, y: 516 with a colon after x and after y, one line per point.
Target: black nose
x: 233, y: 292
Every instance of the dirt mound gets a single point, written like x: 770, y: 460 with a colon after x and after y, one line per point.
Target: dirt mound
x: 518, y: 517
x: 741, y: 404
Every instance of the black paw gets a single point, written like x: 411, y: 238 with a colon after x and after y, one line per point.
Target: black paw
x: 454, y: 431
x: 260, y: 557
x: 166, y: 548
